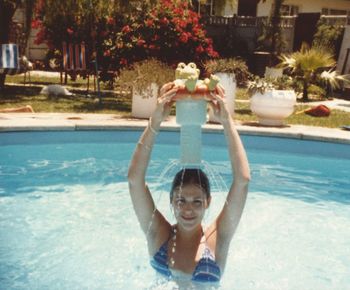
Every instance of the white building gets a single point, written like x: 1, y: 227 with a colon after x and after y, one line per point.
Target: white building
x: 262, y: 8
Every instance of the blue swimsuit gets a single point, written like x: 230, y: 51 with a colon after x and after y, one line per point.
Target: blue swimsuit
x: 206, y: 270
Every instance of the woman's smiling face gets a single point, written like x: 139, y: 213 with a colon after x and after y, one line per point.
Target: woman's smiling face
x: 189, y: 203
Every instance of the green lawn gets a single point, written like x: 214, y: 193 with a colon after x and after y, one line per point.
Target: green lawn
x: 115, y: 102
x: 47, y: 80
x: 336, y: 119
x: 80, y: 102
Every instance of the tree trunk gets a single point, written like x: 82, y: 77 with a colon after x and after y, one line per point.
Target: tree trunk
x: 305, y: 92
x: 7, y: 10
x: 2, y: 80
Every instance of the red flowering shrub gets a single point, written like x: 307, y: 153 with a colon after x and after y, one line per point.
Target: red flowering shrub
x: 170, y: 31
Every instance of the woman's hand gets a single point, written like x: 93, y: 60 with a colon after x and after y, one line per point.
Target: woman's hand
x: 218, y: 104
x: 164, y: 103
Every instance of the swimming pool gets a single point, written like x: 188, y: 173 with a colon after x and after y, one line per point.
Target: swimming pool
x: 66, y: 220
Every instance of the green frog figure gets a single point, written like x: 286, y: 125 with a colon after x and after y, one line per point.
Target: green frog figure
x: 189, y: 76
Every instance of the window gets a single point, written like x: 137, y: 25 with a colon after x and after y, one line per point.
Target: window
x: 330, y: 11
x: 289, y: 10
x: 203, y: 7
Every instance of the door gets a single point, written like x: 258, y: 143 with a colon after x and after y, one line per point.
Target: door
x: 305, y: 28
x: 247, y: 7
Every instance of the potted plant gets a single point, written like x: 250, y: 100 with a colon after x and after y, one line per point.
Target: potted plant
x: 272, y: 100
x: 231, y: 71
x: 144, y: 79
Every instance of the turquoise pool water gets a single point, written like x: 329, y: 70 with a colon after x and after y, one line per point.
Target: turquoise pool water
x: 66, y: 220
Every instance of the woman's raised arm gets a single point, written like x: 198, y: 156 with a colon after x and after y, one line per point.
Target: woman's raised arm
x: 149, y: 218
x: 230, y: 215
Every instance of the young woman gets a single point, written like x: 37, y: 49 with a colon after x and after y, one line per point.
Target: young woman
x: 186, y: 248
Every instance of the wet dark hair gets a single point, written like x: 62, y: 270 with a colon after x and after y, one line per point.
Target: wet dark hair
x: 193, y: 176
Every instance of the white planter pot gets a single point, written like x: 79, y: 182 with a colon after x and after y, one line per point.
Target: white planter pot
x: 273, y: 107
x: 144, y: 103
x: 228, y: 81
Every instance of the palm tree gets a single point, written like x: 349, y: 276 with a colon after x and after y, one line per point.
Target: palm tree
x: 307, y: 64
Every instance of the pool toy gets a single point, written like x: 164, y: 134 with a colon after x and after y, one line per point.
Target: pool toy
x: 187, y: 78
x: 191, y: 110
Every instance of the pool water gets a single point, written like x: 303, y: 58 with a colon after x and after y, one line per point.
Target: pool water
x: 66, y: 219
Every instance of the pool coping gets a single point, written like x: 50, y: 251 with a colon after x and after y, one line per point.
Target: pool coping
x: 19, y: 122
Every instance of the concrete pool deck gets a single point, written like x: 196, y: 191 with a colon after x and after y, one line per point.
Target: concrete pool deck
x: 15, y: 122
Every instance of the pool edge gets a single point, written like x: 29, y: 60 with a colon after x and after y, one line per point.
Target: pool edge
x: 109, y: 122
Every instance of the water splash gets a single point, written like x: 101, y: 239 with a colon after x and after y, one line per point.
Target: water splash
x: 217, y: 181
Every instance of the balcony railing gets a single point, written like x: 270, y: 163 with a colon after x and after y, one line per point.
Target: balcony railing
x: 245, y: 21
x: 341, y: 20
x: 286, y: 21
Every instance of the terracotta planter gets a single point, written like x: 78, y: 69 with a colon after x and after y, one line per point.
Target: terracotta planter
x: 273, y: 107
x: 144, y: 103
x: 228, y: 81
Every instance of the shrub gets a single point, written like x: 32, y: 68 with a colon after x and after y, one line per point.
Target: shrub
x: 262, y: 85
x: 170, y: 31
x: 229, y: 65
x: 316, y: 91
x: 328, y: 36
x: 141, y: 74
